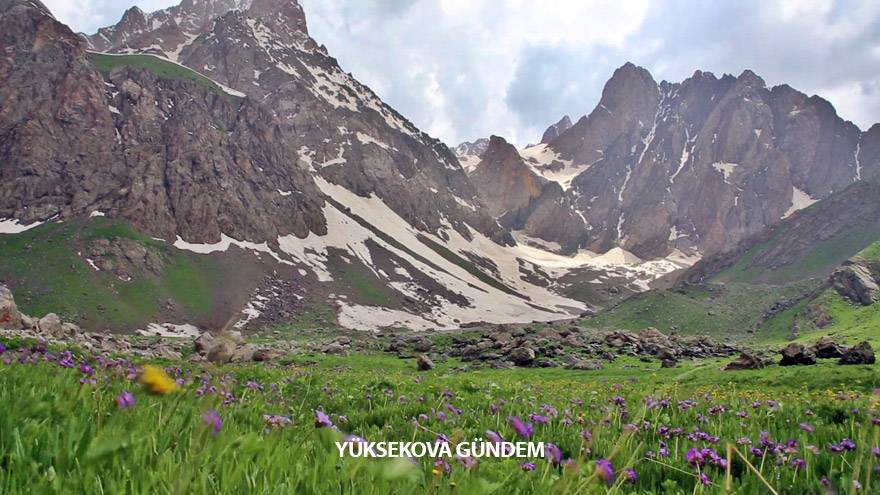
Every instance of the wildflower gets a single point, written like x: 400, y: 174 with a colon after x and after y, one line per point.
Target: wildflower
x: 807, y: 427
x: 322, y: 420
x: 527, y: 466
x: 553, y: 453
x: 587, y: 435
x: 875, y: 451
x: 275, y: 421
x: 537, y: 418
x: 156, y: 381
x: 212, y: 418
x: 86, y: 369
x: 631, y: 476
x: 2, y: 348
x: 848, y: 444
x: 704, y: 479
x: 695, y: 458
x: 798, y: 464
x: 605, y: 471
x: 467, y: 461
x: 125, y: 400
x: 494, y: 437
x: 441, y: 467
x: 522, y: 429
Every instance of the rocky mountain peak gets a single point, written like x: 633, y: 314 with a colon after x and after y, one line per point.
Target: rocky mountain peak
x: 288, y: 13
x: 556, y: 129
x: 751, y: 79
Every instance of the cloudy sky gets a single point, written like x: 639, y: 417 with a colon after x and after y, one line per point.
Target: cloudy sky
x: 464, y: 69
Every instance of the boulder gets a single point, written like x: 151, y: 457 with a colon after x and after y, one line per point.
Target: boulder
x: 746, y: 361
x: 267, y: 354
x: 70, y: 330
x: 422, y: 345
x: 522, y: 356
x: 826, y: 348
x: 50, y: 325
x: 796, y: 354
x: 244, y: 353
x: 575, y: 363
x: 424, y: 363
x: 333, y: 348
x: 855, y: 282
x: 202, y: 344
x: 862, y: 353
x: 10, y: 318
x: 221, y: 351
x: 669, y: 363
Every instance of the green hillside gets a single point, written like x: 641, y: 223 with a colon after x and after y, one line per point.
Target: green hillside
x: 47, y: 272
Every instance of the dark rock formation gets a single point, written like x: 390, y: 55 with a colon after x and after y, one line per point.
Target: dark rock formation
x: 862, y: 353
x: 796, y: 354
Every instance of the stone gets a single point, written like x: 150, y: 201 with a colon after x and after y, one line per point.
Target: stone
x: 576, y: 363
x: 50, y: 325
x: 10, y: 318
x: 669, y: 363
x: 333, y: 348
x: 855, y: 282
x: 202, y: 344
x: 267, y: 354
x: 244, y: 353
x: 826, y: 348
x: 70, y: 330
x: 221, y: 351
x: 746, y: 361
x: 422, y: 345
x: 424, y: 363
x: 522, y: 356
x: 796, y: 354
x: 862, y: 353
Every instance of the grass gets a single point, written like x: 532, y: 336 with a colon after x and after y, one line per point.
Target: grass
x: 64, y: 437
x: 728, y: 310
x: 47, y: 275
x: 362, y: 284
x: 162, y: 68
x: 818, y: 261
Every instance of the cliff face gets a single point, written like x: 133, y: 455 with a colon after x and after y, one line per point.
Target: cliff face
x: 171, y: 156
x: 336, y: 126
x: 698, y: 165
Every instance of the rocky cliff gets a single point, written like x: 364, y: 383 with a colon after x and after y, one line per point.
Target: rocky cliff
x: 696, y: 166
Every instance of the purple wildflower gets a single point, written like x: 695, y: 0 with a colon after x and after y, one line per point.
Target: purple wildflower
x: 527, y: 466
x: 441, y: 466
x: 521, y: 428
x: 125, y: 400
x: 798, y: 464
x: 704, y: 479
x: 322, y: 420
x: 553, y: 453
x: 605, y: 471
x: 631, y: 476
x: 212, y: 418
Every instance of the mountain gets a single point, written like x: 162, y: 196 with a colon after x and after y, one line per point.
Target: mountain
x: 556, y: 129
x: 696, y: 166
x: 806, y: 277
x: 211, y: 164
x: 468, y: 153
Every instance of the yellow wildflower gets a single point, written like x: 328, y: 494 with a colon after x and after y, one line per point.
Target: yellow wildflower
x: 156, y: 381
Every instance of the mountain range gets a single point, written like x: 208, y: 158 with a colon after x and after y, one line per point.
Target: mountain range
x: 211, y: 163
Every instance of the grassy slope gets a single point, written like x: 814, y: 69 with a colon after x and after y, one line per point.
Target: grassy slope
x: 156, y: 65
x: 47, y: 275
x: 850, y: 322
x: 729, y: 310
x: 818, y: 261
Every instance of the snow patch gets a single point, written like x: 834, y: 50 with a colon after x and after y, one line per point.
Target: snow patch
x: 11, y: 226
x: 799, y: 201
x: 170, y: 330
x: 726, y: 169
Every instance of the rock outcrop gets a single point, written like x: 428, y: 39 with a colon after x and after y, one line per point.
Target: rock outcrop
x: 856, y: 282
x: 697, y: 166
